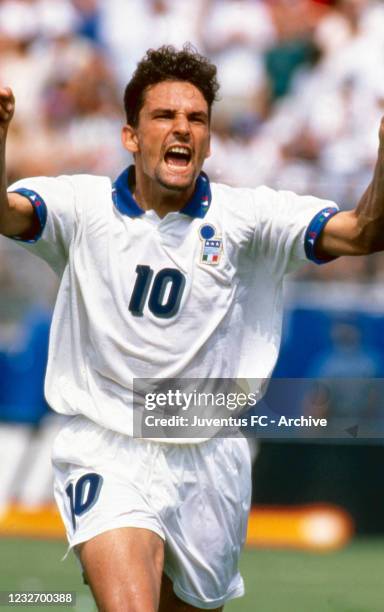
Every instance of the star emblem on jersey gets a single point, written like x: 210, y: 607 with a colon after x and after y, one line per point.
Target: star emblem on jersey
x: 212, y: 245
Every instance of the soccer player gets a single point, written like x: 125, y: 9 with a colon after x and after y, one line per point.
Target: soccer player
x: 164, y: 275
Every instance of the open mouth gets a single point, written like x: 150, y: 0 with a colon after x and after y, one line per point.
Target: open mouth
x: 178, y: 156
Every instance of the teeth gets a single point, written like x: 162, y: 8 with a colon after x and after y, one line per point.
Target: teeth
x: 182, y: 150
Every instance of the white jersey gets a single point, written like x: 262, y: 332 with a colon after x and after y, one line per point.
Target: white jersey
x: 196, y: 294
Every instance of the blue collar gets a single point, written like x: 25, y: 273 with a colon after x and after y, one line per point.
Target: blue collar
x: 124, y: 201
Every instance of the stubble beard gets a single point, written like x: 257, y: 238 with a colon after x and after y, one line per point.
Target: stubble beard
x: 171, y: 186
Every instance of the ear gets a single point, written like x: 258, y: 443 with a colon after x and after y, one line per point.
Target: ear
x: 129, y: 139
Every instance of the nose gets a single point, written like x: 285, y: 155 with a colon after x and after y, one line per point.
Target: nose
x: 181, y: 126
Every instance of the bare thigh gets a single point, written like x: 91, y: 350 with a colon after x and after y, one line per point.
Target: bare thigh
x: 169, y: 602
x: 123, y: 568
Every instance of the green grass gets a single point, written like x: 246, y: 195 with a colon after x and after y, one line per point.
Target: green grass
x: 350, y: 580
x: 276, y: 581
x: 37, y: 565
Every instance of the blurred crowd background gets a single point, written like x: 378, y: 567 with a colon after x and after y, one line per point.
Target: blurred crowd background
x: 302, y: 93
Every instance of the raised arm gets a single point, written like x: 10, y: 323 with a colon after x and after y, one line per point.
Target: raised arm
x: 16, y: 212
x: 359, y: 231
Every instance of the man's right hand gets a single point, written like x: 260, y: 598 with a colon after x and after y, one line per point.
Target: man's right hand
x: 7, y: 108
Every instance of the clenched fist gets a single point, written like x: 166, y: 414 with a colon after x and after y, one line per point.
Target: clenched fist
x: 7, y: 107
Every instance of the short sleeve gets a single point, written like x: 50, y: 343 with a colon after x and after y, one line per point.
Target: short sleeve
x: 288, y: 227
x: 54, y: 203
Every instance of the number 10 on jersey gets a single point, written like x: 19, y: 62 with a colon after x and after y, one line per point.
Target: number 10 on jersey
x: 162, y: 292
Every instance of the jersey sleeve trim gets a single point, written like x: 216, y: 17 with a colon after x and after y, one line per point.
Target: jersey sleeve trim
x: 40, y: 213
x: 313, y: 232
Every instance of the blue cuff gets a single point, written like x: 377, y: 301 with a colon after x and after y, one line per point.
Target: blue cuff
x: 313, y: 232
x: 40, y: 210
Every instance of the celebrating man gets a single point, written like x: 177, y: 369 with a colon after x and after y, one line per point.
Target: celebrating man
x: 164, y: 275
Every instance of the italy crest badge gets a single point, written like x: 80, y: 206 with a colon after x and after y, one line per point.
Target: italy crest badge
x: 212, y: 245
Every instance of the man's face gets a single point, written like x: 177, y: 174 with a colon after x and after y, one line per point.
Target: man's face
x: 171, y: 140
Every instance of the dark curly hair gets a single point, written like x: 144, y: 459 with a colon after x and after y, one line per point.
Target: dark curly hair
x: 168, y: 64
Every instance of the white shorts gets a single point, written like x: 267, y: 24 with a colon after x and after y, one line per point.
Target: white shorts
x: 196, y: 497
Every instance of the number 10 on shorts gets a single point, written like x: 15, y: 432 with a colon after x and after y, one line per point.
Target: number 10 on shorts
x: 84, y: 494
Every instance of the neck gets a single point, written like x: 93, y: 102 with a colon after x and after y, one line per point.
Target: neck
x: 152, y: 196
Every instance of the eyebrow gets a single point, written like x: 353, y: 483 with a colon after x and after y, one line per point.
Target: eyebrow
x: 171, y: 111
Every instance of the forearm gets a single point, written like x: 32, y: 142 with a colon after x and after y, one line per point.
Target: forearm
x: 16, y: 212
x: 359, y: 231
x: 370, y: 209
x: 4, y: 204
